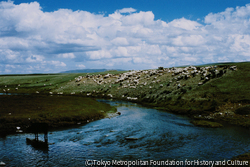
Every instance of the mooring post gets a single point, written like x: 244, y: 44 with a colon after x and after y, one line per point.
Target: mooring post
x: 36, y: 136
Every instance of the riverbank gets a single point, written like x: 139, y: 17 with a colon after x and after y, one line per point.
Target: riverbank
x: 18, y: 112
x: 209, y: 92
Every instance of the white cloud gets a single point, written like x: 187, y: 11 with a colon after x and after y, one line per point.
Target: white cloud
x: 139, y: 60
x: 56, y: 63
x: 66, y: 55
x: 35, y: 58
x: 9, y: 66
x: 126, y: 10
x: 185, y: 24
x: 143, y: 18
x: 241, y: 43
x: 120, y: 52
x: 119, y: 41
x: 127, y: 39
x: 7, y: 71
x: 81, y: 66
x: 99, y: 54
x: 192, y: 40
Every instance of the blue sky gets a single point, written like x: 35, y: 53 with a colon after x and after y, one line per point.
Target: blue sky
x: 47, y: 36
x: 166, y: 10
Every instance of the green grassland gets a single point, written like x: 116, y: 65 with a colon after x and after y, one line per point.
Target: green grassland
x: 216, y: 99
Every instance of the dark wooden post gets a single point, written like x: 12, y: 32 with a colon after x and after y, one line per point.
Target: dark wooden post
x: 36, y: 136
x: 46, y: 137
x: 39, y: 128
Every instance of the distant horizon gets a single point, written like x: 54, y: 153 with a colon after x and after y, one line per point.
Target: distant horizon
x: 69, y: 71
x: 52, y: 36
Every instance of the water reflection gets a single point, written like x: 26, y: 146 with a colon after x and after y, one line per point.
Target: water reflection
x: 38, y: 145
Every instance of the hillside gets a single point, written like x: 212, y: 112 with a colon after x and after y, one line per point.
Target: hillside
x: 211, y: 92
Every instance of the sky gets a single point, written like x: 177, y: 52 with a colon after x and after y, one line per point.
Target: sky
x: 47, y: 36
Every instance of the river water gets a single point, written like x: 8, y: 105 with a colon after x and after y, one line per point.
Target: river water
x: 161, y: 136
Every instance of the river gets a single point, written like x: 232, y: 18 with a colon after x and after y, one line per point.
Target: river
x: 161, y: 136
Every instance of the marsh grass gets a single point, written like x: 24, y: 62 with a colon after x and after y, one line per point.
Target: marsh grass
x: 55, y: 110
x: 204, y: 123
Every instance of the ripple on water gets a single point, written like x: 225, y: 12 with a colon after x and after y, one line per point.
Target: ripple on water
x: 161, y: 136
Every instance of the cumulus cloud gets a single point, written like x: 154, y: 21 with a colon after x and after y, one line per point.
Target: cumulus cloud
x: 39, y: 41
x: 184, y: 24
x: 126, y: 10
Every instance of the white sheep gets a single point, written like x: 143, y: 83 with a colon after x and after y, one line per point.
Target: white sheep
x: 110, y: 95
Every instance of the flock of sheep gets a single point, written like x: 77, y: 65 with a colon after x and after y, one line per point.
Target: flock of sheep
x: 148, y: 79
x: 173, y: 78
x: 6, y: 89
